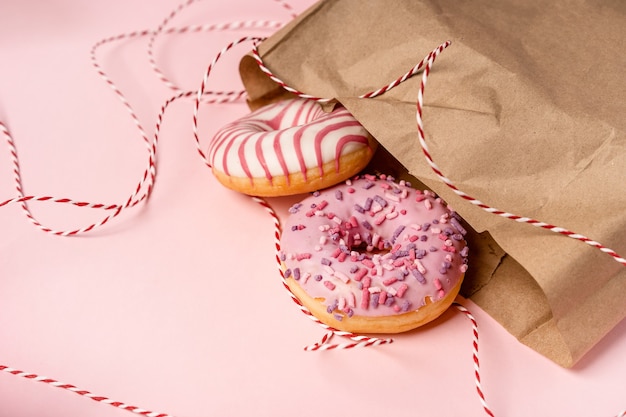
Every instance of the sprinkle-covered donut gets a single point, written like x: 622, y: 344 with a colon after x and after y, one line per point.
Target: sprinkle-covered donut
x: 373, y: 255
x: 289, y: 147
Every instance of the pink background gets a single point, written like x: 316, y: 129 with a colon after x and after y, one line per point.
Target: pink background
x: 176, y: 306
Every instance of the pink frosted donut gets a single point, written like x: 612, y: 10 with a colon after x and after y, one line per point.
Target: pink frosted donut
x: 374, y: 256
x: 289, y: 147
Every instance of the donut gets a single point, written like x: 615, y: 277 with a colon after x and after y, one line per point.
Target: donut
x: 373, y: 255
x: 289, y: 147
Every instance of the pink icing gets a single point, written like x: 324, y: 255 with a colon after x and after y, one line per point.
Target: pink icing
x: 286, y: 137
x: 374, y: 247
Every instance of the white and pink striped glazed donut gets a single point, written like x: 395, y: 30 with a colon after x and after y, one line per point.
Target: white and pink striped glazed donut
x: 373, y: 255
x: 289, y: 147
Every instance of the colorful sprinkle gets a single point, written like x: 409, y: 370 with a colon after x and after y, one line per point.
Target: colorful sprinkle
x: 437, y: 283
x: 302, y: 256
x: 380, y: 219
x: 397, y: 233
x: 368, y: 263
x: 374, y: 300
x: 368, y: 204
x: 295, y: 208
x: 343, y: 277
x: 420, y: 266
x: 392, y: 215
x: 418, y: 276
x: 454, y: 222
x: 367, y: 281
x: 448, y: 248
x: 376, y: 208
x: 380, y: 200
x: 382, y: 297
x: 390, y: 281
x: 365, y: 298
x: 354, y: 222
x: 360, y: 274
x: 352, y: 300
x: 401, y: 290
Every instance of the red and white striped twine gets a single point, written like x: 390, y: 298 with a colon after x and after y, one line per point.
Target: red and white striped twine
x: 415, y: 70
x: 479, y: 389
x: 144, y: 186
x: 69, y: 387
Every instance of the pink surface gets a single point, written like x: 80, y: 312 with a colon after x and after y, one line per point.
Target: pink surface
x: 176, y: 306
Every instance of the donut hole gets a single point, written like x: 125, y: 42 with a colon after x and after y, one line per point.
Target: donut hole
x: 365, y: 249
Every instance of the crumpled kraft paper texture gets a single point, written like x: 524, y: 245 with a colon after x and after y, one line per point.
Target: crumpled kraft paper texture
x: 524, y: 111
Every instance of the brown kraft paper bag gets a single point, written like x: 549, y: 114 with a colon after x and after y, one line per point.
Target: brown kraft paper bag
x: 525, y: 111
